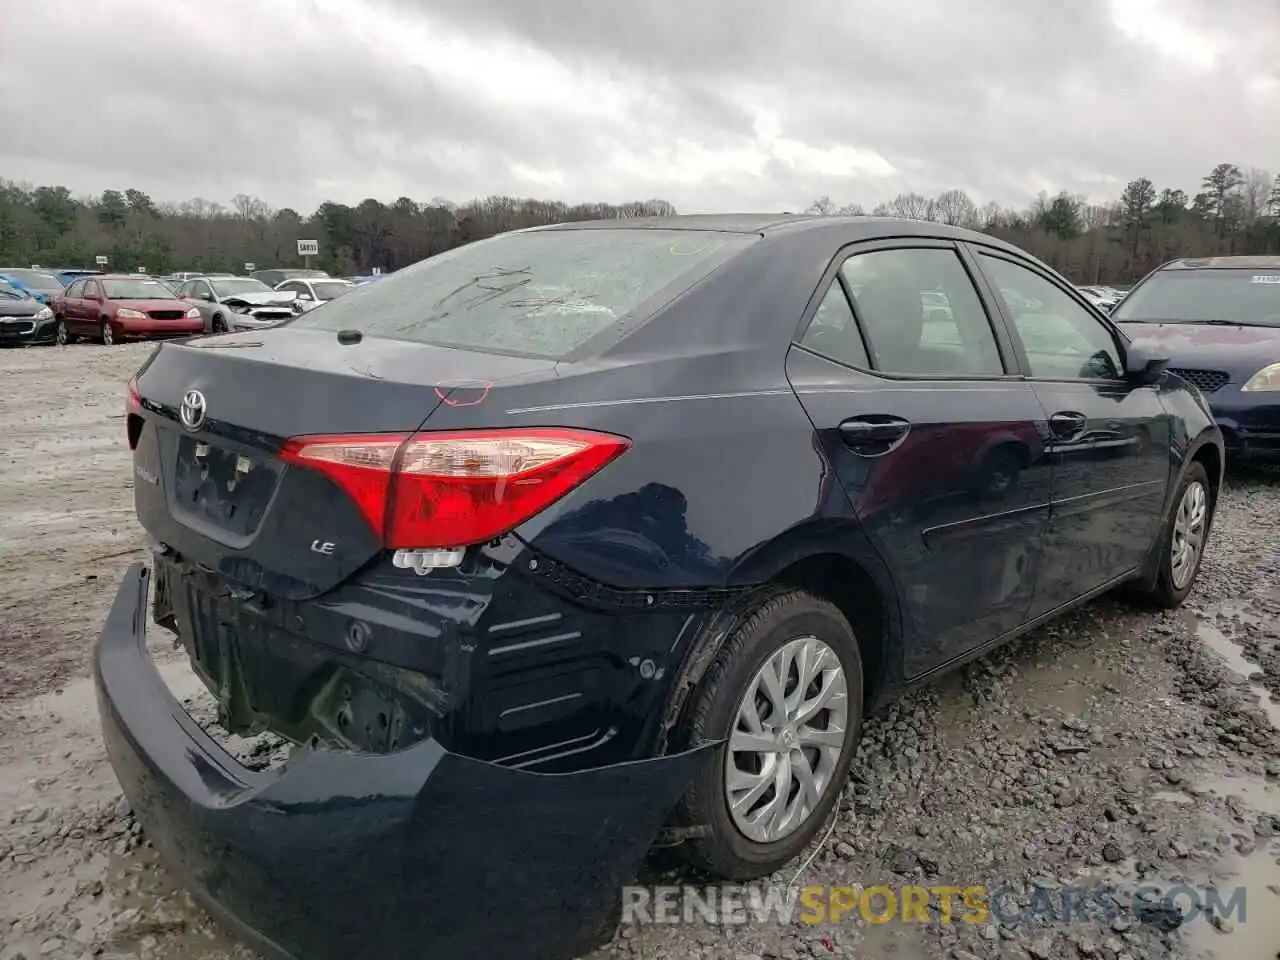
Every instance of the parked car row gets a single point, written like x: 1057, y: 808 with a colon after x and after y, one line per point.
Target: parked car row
x: 39, y: 306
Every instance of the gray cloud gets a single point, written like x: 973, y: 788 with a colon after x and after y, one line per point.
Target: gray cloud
x: 302, y: 100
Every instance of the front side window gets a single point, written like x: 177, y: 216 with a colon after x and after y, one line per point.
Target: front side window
x: 921, y: 314
x: 1062, y: 340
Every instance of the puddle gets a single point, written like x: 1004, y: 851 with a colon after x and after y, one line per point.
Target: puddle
x: 1232, y: 655
x: 1256, y: 793
x: 1256, y: 935
x: 1241, y: 610
x: 1171, y: 796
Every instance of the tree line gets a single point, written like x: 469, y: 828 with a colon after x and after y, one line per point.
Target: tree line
x: 1235, y: 212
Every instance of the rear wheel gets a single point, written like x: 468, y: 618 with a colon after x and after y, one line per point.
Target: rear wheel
x: 785, y: 692
x: 1183, y: 538
x: 61, y: 336
x: 108, y: 333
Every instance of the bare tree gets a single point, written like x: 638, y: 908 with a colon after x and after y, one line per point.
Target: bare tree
x: 911, y: 206
x: 955, y: 207
x: 822, y: 207
x: 250, y: 208
x: 1255, y: 195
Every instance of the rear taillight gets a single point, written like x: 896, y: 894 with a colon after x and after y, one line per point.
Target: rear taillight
x: 133, y: 413
x: 454, y: 489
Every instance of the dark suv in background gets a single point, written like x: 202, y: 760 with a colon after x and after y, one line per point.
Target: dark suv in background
x: 1218, y: 320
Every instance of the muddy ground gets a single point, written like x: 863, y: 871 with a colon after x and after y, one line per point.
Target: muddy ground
x: 1116, y: 746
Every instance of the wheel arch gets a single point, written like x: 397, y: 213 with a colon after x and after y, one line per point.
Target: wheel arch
x: 1207, y: 450
x: 832, y: 561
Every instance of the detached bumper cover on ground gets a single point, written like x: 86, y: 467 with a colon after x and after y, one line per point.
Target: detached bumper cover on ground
x: 409, y: 855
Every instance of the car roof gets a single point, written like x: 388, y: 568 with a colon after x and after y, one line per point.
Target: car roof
x: 849, y: 229
x: 1224, y: 263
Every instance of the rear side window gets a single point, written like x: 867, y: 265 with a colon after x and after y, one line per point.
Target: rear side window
x: 922, y: 314
x: 541, y: 294
x: 833, y: 332
x: 1247, y: 297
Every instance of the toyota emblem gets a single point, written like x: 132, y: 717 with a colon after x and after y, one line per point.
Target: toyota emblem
x: 192, y: 410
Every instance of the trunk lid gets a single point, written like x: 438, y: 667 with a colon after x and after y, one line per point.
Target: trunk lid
x: 214, y: 488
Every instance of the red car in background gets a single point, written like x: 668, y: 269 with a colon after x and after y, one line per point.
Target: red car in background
x: 112, y: 308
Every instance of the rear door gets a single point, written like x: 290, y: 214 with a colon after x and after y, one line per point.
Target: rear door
x: 936, y: 440
x: 1110, y: 437
x: 88, y: 308
x: 70, y: 305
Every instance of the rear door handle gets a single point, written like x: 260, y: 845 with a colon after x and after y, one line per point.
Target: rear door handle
x: 873, y: 435
x: 1067, y: 425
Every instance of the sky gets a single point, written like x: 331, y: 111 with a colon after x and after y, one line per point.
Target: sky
x: 744, y: 105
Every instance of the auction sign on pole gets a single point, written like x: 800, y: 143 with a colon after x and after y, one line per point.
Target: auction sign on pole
x: 308, y: 249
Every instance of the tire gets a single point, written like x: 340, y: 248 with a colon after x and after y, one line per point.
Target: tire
x: 219, y: 325
x: 1176, y: 580
x: 768, y: 637
x: 108, y: 334
x: 61, y: 335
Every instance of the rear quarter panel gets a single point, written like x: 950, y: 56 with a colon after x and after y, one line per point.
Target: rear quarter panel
x: 723, y: 459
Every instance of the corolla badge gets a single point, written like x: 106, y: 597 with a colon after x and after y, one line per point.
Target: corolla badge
x: 191, y: 412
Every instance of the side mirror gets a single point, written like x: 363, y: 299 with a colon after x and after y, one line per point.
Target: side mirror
x: 1144, y: 365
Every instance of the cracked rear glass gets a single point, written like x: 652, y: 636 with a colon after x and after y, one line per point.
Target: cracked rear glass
x: 541, y: 294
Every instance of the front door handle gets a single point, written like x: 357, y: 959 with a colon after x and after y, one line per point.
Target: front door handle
x: 874, y: 435
x: 1067, y: 425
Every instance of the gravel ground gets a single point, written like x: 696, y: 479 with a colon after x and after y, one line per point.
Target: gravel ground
x: 1112, y: 747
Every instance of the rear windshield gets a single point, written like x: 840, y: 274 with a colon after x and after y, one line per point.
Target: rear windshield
x: 539, y: 294
x: 1249, y: 297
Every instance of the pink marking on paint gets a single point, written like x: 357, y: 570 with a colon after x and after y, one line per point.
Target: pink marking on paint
x: 484, y: 386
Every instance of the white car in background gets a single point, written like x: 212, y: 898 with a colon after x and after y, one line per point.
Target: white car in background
x: 312, y: 292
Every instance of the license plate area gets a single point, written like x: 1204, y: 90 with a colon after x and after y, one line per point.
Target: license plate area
x: 267, y: 679
x: 222, y: 487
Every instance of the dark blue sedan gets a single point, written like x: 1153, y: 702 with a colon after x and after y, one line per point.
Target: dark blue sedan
x: 1218, y: 319
x: 582, y: 536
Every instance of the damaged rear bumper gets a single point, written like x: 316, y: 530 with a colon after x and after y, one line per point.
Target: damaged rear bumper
x: 344, y: 856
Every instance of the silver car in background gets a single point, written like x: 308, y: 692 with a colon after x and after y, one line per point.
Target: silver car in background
x: 238, y: 303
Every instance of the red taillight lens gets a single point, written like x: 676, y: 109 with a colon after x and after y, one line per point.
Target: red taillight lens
x: 454, y: 489
x: 133, y: 414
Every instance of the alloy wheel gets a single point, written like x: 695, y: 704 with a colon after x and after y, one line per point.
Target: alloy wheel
x: 1189, y: 525
x: 786, y: 740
